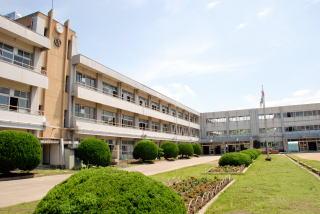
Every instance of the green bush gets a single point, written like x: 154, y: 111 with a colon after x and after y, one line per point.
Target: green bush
x: 197, y: 149
x: 185, y: 149
x: 253, y: 153
x: 235, y: 159
x: 108, y: 190
x: 19, y: 150
x: 94, y: 152
x: 146, y: 150
x: 170, y: 150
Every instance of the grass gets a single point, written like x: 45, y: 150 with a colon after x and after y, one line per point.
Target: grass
x: 24, y: 208
x: 313, y: 163
x: 196, y: 171
x: 278, y: 186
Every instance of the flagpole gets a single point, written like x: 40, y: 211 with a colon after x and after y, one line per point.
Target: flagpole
x: 265, y: 122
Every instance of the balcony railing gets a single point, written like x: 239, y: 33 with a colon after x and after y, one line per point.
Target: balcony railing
x: 11, y: 60
x: 131, y: 101
x: 108, y: 123
x: 20, y: 110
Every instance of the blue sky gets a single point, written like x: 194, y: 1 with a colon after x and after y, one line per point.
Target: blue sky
x: 209, y: 54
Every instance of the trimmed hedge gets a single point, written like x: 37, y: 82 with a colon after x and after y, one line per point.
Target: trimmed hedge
x: 170, y: 150
x: 107, y: 190
x: 185, y: 149
x: 197, y: 149
x: 146, y: 150
x: 253, y: 153
x: 19, y: 150
x: 93, y: 151
x: 235, y: 159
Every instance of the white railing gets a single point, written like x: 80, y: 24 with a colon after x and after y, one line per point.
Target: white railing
x: 20, y: 109
x: 120, y: 97
x: 108, y: 123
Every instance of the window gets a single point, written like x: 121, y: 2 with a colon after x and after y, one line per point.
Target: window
x: 66, y: 85
x: 173, y: 112
x: 23, y: 58
x: 110, y: 89
x: 143, y: 124
x: 240, y: 132
x: 127, y: 121
x: 217, y: 120
x: 216, y: 133
x: 126, y: 95
x: 155, y: 106
x: 86, y: 80
x: 239, y: 118
x: 23, y: 99
x: 6, y: 52
x: 165, y: 128
x: 165, y: 109
x: 270, y: 130
x: 155, y: 126
x: 85, y: 111
x: 108, y: 117
x: 143, y: 101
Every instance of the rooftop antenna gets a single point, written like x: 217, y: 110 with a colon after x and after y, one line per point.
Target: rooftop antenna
x: 51, y: 4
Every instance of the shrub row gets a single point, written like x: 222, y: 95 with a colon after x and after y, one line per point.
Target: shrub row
x: 244, y: 157
x: 108, y: 190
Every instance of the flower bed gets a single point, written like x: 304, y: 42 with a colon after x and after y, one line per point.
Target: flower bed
x: 196, y: 192
x: 227, y: 169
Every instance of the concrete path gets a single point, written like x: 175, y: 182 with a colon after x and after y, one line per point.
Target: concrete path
x: 309, y: 156
x: 32, y: 189
x: 27, y: 190
x: 165, y: 166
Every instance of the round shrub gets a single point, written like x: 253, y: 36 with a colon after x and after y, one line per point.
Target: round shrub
x: 186, y: 149
x: 235, y: 159
x: 108, y: 190
x: 94, y: 152
x: 19, y: 150
x: 146, y: 150
x: 170, y: 150
x: 197, y: 149
x: 253, y: 153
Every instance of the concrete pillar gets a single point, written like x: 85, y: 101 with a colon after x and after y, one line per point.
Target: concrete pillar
x: 99, y: 112
x: 34, y: 99
x: 61, y: 149
x: 119, y: 117
x: 136, y: 96
x: 149, y: 101
x: 136, y: 120
x: 116, y: 151
x: 99, y: 82
x: 161, y: 125
x: 37, y: 59
x: 150, y: 123
x: 119, y: 86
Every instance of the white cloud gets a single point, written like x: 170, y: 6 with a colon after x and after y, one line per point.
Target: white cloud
x: 265, y: 12
x: 176, y: 91
x: 241, y: 26
x: 297, y: 97
x: 213, y: 4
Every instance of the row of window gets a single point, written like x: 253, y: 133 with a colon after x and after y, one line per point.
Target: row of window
x: 270, y: 130
x: 126, y: 121
x: 15, y: 55
x: 128, y: 96
x: 302, y: 113
x: 231, y: 132
x: 302, y: 128
x: 231, y: 119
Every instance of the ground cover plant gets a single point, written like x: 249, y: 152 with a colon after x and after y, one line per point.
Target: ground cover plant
x: 19, y: 150
x: 273, y: 187
x: 235, y: 159
x: 170, y: 150
x: 109, y: 190
x: 185, y: 150
x: 94, y: 152
x: 227, y: 169
x: 145, y: 150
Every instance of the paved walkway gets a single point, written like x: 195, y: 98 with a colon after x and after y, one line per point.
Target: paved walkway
x: 27, y: 190
x: 32, y: 189
x: 309, y: 156
x: 165, y: 166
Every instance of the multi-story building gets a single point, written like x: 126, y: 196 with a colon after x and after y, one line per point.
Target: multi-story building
x: 49, y: 89
x: 285, y: 126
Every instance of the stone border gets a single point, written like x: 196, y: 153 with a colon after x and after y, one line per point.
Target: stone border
x: 304, y: 166
x: 205, y: 207
x: 18, y: 177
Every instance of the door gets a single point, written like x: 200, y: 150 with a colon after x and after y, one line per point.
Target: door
x: 205, y: 150
x: 312, y: 146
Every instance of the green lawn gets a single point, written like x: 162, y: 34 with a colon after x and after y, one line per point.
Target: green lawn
x: 278, y: 186
x: 313, y: 163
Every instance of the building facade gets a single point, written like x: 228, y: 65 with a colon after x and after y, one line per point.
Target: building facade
x: 286, y: 126
x: 49, y: 89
